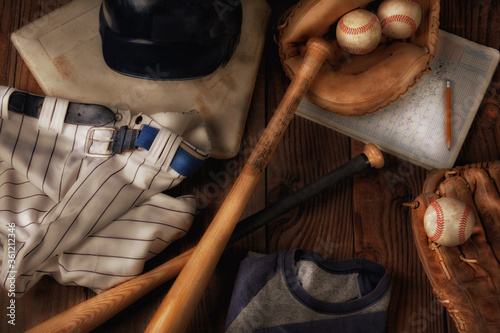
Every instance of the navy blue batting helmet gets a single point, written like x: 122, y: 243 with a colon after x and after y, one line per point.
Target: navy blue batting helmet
x: 169, y: 39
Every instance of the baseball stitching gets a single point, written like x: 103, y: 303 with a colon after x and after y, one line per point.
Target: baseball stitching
x: 356, y: 50
x: 359, y: 30
x: 463, y: 224
x: 439, y: 221
x: 400, y: 18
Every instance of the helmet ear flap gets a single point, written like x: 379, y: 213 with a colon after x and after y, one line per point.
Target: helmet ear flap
x: 138, y: 39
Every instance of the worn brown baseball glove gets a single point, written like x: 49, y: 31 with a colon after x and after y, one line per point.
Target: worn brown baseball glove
x: 356, y: 84
x: 465, y: 278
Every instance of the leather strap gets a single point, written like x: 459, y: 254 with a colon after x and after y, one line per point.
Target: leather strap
x: 128, y: 139
x: 77, y: 113
x: 125, y: 139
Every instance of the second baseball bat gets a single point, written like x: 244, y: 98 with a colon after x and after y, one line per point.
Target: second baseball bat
x: 371, y: 157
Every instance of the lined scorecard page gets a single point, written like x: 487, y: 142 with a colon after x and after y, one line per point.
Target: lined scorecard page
x: 414, y: 127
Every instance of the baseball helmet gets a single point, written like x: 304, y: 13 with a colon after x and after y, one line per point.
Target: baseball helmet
x: 169, y: 39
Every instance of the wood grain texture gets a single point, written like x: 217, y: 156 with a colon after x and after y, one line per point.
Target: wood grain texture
x: 9, y: 20
x: 336, y: 223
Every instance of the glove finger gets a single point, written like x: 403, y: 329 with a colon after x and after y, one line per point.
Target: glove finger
x: 487, y: 203
x: 494, y: 171
x: 433, y: 179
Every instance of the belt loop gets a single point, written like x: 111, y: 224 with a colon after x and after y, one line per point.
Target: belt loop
x: 5, y: 93
x: 164, y: 146
x: 49, y: 104
x: 60, y: 110
x: 54, y: 110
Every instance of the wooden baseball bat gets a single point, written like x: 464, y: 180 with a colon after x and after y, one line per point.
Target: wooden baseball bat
x: 92, y: 313
x: 176, y: 310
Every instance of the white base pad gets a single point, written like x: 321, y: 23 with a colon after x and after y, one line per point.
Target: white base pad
x: 63, y: 52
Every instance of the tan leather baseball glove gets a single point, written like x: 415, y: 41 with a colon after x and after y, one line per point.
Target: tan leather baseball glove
x: 465, y: 278
x: 356, y: 84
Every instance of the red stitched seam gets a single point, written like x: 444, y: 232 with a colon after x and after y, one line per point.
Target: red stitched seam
x: 439, y: 221
x: 354, y: 49
x: 463, y: 224
x: 359, y: 30
x: 400, y: 18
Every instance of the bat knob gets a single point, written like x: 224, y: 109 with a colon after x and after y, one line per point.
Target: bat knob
x: 374, y: 155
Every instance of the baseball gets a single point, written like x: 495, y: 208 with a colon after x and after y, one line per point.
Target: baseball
x: 399, y: 18
x: 449, y: 221
x: 359, y: 32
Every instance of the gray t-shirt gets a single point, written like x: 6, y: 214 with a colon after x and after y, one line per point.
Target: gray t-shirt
x: 295, y: 291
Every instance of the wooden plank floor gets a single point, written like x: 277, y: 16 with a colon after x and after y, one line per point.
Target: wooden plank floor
x: 361, y: 217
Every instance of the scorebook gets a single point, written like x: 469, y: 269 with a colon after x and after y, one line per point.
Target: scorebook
x: 414, y: 127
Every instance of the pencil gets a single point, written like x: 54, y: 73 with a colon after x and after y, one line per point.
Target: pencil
x: 448, y: 114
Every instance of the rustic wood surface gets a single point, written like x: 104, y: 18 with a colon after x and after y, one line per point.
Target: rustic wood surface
x: 362, y: 217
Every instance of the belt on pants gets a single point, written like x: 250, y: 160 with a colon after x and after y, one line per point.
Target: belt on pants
x: 125, y: 139
x: 119, y: 140
x: 76, y: 113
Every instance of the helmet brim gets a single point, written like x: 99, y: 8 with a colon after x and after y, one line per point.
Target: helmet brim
x: 163, y: 60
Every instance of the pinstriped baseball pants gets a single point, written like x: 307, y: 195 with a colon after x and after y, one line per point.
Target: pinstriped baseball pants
x: 89, y: 221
